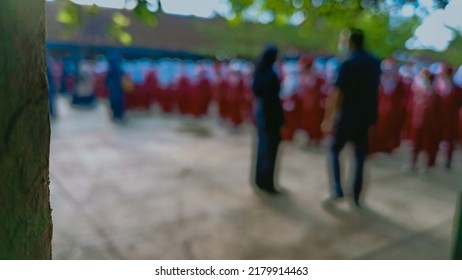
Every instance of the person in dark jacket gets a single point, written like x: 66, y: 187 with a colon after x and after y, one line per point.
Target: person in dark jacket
x: 114, y: 85
x: 269, y: 118
x: 351, y: 110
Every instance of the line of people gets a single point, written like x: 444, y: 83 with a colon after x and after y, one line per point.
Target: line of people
x: 424, y: 107
x: 417, y: 103
x: 175, y: 86
x: 368, y: 103
x: 420, y: 103
x: 377, y: 104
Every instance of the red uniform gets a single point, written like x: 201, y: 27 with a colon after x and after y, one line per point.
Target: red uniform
x: 199, y: 98
x: 205, y: 95
x: 151, y: 88
x: 292, y: 110
x: 223, y: 106
x: 248, y: 98
x: 233, y: 98
x: 70, y: 83
x: 425, y: 120
x: 101, y: 90
x: 291, y: 103
x: 136, y: 97
x: 312, y: 109
x: 387, y: 132
x: 450, y: 103
x: 183, y: 91
x: 167, y: 99
x: 407, y: 79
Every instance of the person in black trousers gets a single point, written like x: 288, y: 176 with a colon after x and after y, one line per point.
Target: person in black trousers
x: 351, y: 110
x: 269, y: 119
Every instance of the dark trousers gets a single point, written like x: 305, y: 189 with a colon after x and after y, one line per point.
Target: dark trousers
x: 267, y: 149
x: 116, y: 100
x: 83, y: 100
x: 357, y: 137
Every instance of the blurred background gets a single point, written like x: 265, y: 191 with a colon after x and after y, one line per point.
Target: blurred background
x: 160, y: 167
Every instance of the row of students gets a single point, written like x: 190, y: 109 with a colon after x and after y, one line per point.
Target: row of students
x: 189, y: 88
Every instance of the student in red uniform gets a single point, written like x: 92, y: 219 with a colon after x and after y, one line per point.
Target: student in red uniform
x: 183, y: 88
x: 101, y: 69
x: 386, y: 136
x: 290, y: 95
x: 151, y: 87
x: 128, y: 84
x: 199, y: 92
x: 425, y: 119
x: 312, y: 112
x: 167, y: 98
x: 204, y: 92
x: 407, y: 75
x: 450, y: 103
x: 234, y: 96
x: 146, y: 86
x: 139, y: 97
x: 248, y: 102
x: 222, y: 89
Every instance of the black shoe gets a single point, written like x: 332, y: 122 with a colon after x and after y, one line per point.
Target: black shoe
x: 265, y: 190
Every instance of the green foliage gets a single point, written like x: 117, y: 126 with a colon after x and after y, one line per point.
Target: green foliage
x: 117, y: 28
x: 247, y: 39
x: 120, y: 20
x: 319, y: 36
x: 143, y: 13
x: 93, y: 10
x: 318, y: 33
x: 381, y: 38
x: 72, y: 15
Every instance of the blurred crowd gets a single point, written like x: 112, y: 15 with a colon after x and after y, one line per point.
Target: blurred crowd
x: 418, y: 101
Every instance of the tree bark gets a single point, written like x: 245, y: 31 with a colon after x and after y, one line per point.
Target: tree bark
x: 25, y: 213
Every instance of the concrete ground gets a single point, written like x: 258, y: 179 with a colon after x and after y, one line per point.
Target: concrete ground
x: 164, y: 187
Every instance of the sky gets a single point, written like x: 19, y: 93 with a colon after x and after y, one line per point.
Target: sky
x: 435, y: 33
x: 199, y: 8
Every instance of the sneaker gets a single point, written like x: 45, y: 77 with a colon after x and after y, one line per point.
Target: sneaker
x: 332, y: 200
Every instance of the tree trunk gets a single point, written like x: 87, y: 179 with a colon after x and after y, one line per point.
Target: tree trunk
x: 25, y: 213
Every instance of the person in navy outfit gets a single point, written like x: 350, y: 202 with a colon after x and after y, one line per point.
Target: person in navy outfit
x: 269, y: 119
x: 351, y: 110
x: 114, y: 85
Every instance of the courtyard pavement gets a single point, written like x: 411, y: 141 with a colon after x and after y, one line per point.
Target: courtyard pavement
x: 168, y: 187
